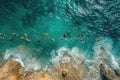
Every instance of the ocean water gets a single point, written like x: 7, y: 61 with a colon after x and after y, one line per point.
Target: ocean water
x: 87, y: 26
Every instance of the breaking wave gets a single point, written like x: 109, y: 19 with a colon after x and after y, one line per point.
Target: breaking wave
x: 94, y: 68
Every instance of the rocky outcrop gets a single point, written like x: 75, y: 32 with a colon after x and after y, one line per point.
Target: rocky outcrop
x: 12, y: 70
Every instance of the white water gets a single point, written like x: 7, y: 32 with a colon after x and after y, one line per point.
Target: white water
x: 102, y: 55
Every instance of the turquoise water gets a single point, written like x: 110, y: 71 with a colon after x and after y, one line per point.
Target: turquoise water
x: 59, y: 17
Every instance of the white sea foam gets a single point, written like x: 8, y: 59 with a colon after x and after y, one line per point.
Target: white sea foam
x: 102, y: 55
x: 23, y: 57
x: 114, y: 63
x: 64, y: 55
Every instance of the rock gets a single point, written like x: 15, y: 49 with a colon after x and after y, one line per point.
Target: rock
x: 75, y: 69
x: 38, y: 76
x: 11, y: 70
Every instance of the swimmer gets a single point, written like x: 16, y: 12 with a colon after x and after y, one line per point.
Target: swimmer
x: 80, y: 35
x: 43, y: 35
x: 52, y: 39
x: 105, y: 35
x: 46, y: 35
x: 81, y: 39
x: 27, y: 39
x: 22, y: 38
x: 71, y: 39
x: 64, y: 35
x: 25, y: 35
x: 2, y: 35
x: 38, y: 40
x: 97, y: 39
x: 11, y: 39
x: 61, y: 38
x: 14, y: 34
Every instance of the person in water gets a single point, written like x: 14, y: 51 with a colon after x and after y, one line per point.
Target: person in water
x: 46, y: 34
x: 43, y: 35
x: 80, y: 35
x: 97, y: 39
x: 2, y: 35
x: 14, y: 34
x: 38, y: 40
x: 11, y: 39
x: 81, y: 39
x: 25, y: 37
x: 52, y: 39
x: 106, y: 35
x: 64, y: 36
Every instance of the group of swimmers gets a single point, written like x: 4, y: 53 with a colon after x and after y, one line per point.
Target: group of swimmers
x: 45, y: 35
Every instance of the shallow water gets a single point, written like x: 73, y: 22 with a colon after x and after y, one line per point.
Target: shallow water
x: 92, y: 18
